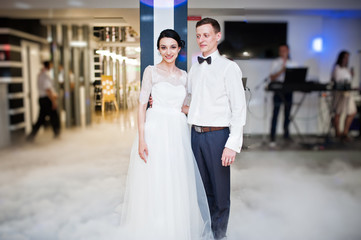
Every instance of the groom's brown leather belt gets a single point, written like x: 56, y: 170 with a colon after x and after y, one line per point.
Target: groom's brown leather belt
x: 206, y: 129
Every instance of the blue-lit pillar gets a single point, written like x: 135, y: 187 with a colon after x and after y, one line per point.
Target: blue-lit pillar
x: 155, y: 16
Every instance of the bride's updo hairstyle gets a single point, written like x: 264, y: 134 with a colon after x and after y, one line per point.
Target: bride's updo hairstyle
x: 170, y: 33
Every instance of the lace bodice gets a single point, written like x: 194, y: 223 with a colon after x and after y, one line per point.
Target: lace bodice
x: 168, y: 90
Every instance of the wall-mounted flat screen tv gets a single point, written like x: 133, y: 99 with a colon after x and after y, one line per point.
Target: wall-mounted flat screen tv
x: 256, y: 40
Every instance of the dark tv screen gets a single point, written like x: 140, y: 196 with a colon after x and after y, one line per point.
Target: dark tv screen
x: 258, y: 39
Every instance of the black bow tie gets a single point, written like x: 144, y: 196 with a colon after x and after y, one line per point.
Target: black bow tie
x: 201, y: 60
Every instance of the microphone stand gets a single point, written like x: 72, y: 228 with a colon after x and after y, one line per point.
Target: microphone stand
x: 264, y: 134
x: 261, y: 83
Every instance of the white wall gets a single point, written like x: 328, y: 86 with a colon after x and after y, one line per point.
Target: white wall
x: 276, y: 4
x: 341, y: 34
x: 336, y: 33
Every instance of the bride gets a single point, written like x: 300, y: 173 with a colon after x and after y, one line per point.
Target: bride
x: 164, y: 197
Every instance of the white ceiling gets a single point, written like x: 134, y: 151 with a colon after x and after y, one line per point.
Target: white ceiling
x: 129, y: 9
x: 248, y: 4
x: 130, y: 16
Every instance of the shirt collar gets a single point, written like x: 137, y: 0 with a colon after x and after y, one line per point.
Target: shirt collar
x: 213, y: 55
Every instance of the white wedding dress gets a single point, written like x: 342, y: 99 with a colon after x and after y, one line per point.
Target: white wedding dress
x: 165, y: 198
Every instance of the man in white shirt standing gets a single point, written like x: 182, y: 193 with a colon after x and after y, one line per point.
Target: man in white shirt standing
x: 278, y: 70
x: 47, y: 101
x: 217, y: 113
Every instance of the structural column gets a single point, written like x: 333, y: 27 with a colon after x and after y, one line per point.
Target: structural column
x: 66, y: 64
x: 117, y: 82
x: 124, y: 80
x: 76, y: 74
x: 86, y: 57
x: 4, y: 115
x: 56, y: 59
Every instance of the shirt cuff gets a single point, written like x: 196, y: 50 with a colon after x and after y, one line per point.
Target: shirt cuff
x: 233, y: 144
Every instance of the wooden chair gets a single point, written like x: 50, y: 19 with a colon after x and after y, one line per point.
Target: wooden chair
x: 108, y: 92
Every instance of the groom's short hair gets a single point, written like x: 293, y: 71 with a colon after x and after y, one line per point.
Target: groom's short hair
x: 213, y: 22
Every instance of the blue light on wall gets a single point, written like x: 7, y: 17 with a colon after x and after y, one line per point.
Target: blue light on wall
x: 317, y: 44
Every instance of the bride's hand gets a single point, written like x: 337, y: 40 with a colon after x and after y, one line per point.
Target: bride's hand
x: 143, y: 150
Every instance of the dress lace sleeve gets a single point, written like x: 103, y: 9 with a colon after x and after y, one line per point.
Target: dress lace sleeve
x: 188, y: 98
x: 146, y: 85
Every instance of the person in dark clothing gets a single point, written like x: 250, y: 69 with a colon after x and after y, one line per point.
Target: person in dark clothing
x: 47, y: 101
x: 278, y: 69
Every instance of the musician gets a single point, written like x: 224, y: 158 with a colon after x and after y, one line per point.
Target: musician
x: 278, y: 69
x: 343, y: 101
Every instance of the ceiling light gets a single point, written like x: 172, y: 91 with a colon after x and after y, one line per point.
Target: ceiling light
x: 78, y: 44
x: 102, y: 52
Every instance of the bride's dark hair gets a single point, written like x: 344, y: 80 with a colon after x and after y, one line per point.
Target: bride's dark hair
x: 170, y: 33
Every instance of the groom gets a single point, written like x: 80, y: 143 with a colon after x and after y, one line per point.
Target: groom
x: 217, y: 113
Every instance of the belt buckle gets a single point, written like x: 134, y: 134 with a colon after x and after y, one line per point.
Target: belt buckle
x: 198, y: 129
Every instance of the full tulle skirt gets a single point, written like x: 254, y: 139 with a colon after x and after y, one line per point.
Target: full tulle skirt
x: 164, y: 197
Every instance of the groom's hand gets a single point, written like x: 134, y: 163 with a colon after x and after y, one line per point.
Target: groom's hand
x: 228, y: 157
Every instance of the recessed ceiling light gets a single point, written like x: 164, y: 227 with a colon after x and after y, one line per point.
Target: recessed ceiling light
x: 74, y: 3
x: 22, y: 5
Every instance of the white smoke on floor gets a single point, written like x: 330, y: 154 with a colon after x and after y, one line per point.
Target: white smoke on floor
x: 68, y: 189
x: 64, y: 189
x: 290, y: 196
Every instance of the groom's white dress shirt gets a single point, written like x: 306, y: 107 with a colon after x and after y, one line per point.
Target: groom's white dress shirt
x: 218, y: 98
